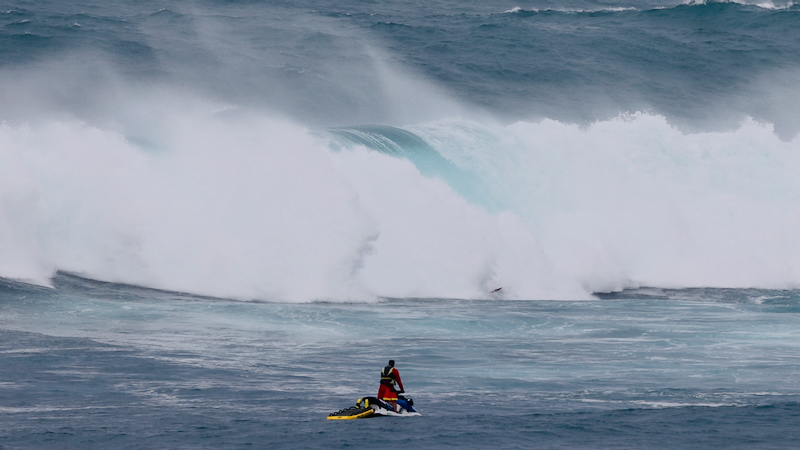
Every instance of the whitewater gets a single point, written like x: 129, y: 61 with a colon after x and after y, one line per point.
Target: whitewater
x: 573, y: 224
x: 258, y: 208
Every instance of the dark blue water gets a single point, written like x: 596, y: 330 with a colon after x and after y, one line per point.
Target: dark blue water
x: 111, y: 366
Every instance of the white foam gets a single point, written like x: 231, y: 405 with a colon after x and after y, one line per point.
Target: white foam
x: 517, y: 9
x: 764, y: 5
x: 252, y: 207
x: 681, y: 404
x: 202, y: 217
x: 771, y: 5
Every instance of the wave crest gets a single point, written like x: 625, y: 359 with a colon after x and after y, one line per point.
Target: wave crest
x: 256, y: 208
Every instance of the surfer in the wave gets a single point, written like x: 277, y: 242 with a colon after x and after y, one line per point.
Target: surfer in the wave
x: 386, y: 391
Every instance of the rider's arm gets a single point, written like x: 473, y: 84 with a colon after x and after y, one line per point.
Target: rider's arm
x: 397, y: 378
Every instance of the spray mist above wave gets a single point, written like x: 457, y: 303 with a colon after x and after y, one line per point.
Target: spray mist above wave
x: 121, y: 64
x: 705, y: 67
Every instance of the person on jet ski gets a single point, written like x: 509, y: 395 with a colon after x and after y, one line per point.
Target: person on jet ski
x: 386, y: 391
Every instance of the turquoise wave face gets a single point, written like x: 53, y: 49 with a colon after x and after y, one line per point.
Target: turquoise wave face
x: 428, y: 160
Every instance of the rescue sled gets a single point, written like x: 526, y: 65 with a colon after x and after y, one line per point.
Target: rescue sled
x: 372, y: 407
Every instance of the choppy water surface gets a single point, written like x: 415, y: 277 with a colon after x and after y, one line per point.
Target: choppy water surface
x: 115, y: 366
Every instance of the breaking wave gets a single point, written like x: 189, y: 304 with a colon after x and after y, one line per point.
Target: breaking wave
x: 254, y: 207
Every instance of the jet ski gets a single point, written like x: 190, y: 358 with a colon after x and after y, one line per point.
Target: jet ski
x: 372, y: 407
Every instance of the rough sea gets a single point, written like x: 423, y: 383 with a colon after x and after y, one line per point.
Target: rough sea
x: 573, y: 224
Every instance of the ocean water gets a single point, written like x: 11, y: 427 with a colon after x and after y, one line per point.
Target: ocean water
x: 218, y: 220
x: 98, y: 365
